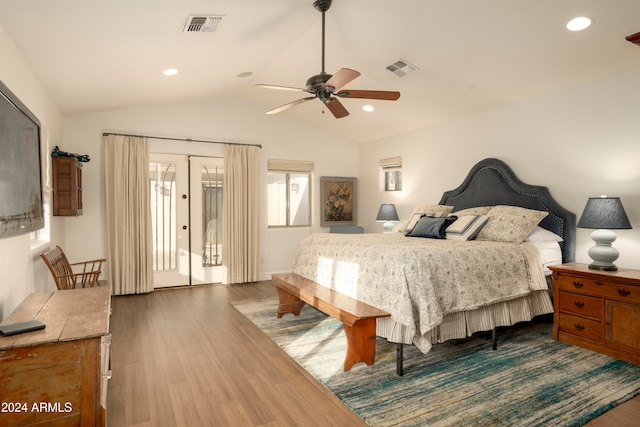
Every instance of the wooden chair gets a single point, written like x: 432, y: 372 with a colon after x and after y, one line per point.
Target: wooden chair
x: 64, y: 275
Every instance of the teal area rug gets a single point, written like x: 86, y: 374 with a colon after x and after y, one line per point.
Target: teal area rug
x: 531, y: 380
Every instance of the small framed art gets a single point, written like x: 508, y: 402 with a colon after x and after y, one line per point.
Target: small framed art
x: 338, y: 201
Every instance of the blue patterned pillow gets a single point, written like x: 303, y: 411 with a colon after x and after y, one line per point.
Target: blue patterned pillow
x: 430, y: 227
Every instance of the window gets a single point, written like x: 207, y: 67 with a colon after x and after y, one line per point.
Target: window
x: 289, y: 193
x: 392, y: 173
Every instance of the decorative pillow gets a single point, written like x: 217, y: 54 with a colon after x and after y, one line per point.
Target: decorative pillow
x: 510, y: 224
x: 437, y: 211
x: 431, y: 227
x: 480, y: 210
x: 540, y: 234
x: 413, y: 221
x: 466, y: 227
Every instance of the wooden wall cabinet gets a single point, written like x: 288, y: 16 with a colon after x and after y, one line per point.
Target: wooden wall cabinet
x: 598, y: 310
x: 67, y: 186
x: 58, y: 375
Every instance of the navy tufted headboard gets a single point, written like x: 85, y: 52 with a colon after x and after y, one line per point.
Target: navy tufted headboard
x: 491, y: 182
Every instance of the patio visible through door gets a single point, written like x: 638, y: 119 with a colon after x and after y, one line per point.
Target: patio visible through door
x: 186, y: 205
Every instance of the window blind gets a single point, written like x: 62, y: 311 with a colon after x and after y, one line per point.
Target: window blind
x: 293, y: 166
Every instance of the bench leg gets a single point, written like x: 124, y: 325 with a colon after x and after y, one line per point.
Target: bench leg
x: 361, y: 343
x: 288, y: 304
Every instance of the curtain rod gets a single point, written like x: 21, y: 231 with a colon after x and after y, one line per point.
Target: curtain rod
x: 168, y: 138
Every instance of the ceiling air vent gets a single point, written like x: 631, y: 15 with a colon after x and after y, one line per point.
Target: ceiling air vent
x: 202, y: 23
x: 402, y: 68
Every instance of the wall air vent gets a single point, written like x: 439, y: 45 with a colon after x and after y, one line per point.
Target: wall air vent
x: 202, y: 23
x: 402, y: 68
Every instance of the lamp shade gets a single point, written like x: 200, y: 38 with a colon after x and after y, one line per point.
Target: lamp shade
x: 387, y: 212
x: 604, y: 213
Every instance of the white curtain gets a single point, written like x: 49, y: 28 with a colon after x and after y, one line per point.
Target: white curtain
x: 240, y: 233
x: 129, y: 241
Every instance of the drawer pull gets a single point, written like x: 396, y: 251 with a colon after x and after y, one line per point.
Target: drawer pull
x: 624, y: 292
x: 578, y: 327
x: 578, y: 304
x: 578, y: 285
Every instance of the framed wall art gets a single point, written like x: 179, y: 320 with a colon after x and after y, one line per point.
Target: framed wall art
x: 338, y: 201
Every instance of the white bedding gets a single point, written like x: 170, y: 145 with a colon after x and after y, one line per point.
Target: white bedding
x: 434, y: 289
x: 550, y: 254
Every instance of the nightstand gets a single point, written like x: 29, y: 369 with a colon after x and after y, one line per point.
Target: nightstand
x: 598, y: 310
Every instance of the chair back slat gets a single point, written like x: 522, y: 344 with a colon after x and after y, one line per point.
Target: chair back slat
x: 63, y: 274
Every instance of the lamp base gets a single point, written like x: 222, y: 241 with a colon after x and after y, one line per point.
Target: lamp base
x: 388, y: 227
x: 613, y: 267
x: 603, y: 254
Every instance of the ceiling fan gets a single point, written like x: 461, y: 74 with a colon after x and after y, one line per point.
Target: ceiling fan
x: 328, y: 88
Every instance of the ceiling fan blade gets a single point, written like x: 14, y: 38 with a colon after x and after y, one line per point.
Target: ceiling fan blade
x: 295, y: 89
x: 341, y: 78
x: 369, y: 94
x: 290, y: 104
x: 336, y: 108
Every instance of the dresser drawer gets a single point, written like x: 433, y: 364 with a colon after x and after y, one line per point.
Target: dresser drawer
x: 580, y: 326
x: 580, y: 284
x: 621, y: 292
x: 603, y: 288
x: 582, y: 305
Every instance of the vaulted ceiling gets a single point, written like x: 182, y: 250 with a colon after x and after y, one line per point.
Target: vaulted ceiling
x: 471, y: 55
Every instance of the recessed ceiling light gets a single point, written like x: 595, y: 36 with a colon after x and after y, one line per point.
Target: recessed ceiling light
x: 578, y: 24
x: 368, y: 108
x: 170, y: 72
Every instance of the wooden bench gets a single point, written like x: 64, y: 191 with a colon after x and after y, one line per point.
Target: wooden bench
x: 358, y: 318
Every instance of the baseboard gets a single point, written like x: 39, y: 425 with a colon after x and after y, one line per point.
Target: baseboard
x: 267, y: 276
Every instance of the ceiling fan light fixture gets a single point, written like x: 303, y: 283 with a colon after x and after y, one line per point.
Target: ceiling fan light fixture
x: 580, y: 23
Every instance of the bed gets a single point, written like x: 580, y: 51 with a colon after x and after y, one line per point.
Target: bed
x: 442, y: 289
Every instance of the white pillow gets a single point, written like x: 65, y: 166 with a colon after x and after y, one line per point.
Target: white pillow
x: 540, y: 234
x: 550, y: 254
x: 466, y: 227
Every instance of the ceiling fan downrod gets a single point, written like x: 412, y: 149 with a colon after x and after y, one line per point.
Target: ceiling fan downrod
x: 322, y: 6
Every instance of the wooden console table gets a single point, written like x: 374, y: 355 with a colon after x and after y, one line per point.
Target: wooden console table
x: 57, y: 375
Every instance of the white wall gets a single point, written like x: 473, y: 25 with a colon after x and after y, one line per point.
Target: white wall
x: 580, y: 143
x: 16, y: 255
x: 217, y: 120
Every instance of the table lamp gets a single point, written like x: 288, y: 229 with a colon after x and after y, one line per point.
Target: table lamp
x: 388, y: 215
x: 604, y: 214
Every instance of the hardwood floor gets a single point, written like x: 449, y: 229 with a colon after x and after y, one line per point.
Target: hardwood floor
x: 185, y: 357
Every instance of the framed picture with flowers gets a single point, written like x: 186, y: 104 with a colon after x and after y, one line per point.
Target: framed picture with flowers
x: 338, y: 201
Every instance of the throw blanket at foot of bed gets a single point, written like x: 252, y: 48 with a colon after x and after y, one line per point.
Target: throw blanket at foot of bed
x: 358, y: 318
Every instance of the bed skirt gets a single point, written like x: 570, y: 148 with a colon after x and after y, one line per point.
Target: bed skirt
x: 465, y: 323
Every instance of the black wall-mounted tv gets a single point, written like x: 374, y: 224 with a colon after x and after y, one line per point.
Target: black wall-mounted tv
x: 21, y: 209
